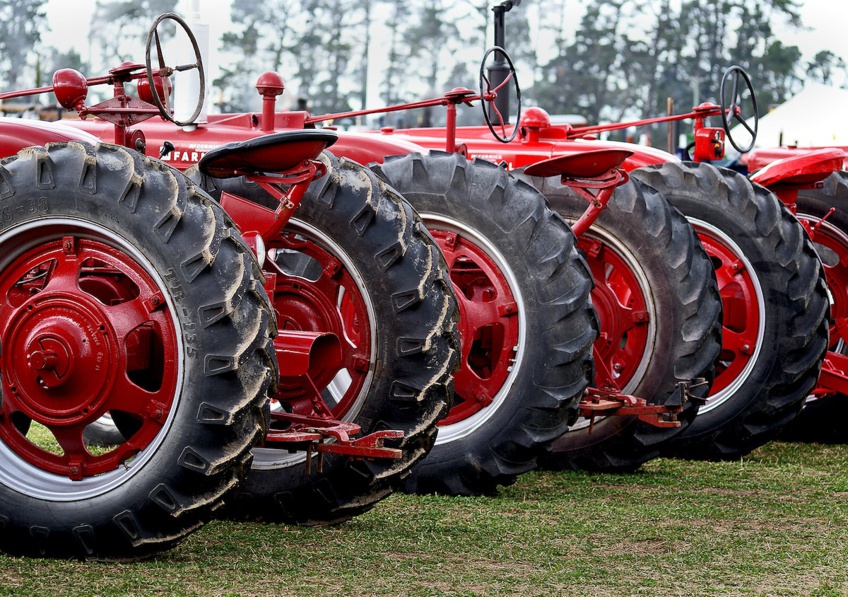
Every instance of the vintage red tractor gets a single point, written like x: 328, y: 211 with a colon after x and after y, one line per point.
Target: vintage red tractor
x: 526, y: 324
x: 762, y: 376
x: 125, y: 290
x: 774, y: 300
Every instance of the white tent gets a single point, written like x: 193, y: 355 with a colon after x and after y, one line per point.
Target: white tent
x: 816, y: 117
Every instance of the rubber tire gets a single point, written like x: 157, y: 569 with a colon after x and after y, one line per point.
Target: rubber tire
x: 417, y: 346
x: 548, y: 381
x: 687, y: 335
x: 795, y: 336
x: 103, y: 432
x: 205, y: 451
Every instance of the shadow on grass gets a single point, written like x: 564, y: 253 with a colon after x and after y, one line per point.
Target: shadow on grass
x: 824, y: 421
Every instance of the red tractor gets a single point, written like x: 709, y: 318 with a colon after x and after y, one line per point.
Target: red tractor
x: 525, y: 320
x: 128, y: 292
x: 767, y: 364
x: 775, y: 302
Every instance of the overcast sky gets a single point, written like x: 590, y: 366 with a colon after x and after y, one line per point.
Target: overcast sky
x: 825, y: 22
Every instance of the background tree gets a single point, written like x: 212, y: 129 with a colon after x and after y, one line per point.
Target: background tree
x: 585, y: 77
x: 622, y: 59
x: 826, y: 67
x: 119, y: 28
x: 397, y: 54
x: 260, y: 40
x: 430, y: 36
x: 21, y: 24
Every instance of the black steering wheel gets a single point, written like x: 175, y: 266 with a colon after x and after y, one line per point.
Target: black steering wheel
x: 162, y: 103
x: 488, y: 95
x: 732, y: 106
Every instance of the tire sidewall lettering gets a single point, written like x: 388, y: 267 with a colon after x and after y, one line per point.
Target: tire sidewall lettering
x: 25, y: 208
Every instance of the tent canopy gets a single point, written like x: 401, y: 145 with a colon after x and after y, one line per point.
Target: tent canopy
x: 816, y: 117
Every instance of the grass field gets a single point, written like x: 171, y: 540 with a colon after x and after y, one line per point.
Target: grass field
x: 773, y: 524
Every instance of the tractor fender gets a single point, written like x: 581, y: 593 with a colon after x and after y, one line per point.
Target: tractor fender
x: 803, y: 168
x: 17, y: 133
x: 762, y: 157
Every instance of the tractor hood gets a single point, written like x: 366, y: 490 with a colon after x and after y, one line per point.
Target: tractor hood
x: 17, y: 133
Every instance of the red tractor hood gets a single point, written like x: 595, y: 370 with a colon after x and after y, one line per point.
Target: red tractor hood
x: 17, y: 133
x: 192, y: 143
x: 526, y: 149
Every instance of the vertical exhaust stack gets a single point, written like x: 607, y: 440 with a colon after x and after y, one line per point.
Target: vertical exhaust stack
x: 499, y: 68
x: 186, y: 90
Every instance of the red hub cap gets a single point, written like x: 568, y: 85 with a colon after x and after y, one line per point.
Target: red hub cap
x: 84, y: 330
x: 324, y: 297
x: 488, y: 324
x: 66, y: 340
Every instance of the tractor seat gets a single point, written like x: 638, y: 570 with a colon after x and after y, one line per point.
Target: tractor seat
x: 586, y: 164
x: 273, y: 153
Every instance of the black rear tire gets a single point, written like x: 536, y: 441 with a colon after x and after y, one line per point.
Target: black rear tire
x: 380, y: 242
x: 502, y: 241
x: 764, y: 256
x: 145, y: 247
x: 665, y: 328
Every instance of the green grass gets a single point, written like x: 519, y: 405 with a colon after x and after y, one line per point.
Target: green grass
x: 775, y: 523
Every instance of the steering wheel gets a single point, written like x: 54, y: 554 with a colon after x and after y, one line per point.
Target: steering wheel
x: 488, y: 95
x: 162, y: 102
x: 734, y: 108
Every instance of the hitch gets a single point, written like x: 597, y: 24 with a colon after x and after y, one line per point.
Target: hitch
x: 309, y: 432
x: 309, y: 360
x: 608, y: 403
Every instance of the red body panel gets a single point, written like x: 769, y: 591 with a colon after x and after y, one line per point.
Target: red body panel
x: 192, y: 143
x: 760, y: 158
x: 364, y: 147
x: 802, y: 168
x: 17, y: 133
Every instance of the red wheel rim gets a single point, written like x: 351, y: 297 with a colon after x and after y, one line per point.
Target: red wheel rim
x: 741, y: 303
x: 488, y: 327
x: 834, y: 258
x: 85, y: 330
x: 625, y: 321
x: 326, y: 298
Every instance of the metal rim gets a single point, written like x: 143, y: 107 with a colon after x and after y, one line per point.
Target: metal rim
x: 627, y: 312
x: 341, y: 313
x: 64, y: 294
x: 491, y: 311
x: 831, y: 244
x: 743, y: 313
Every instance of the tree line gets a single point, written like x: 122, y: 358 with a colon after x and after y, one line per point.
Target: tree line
x: 623, y: 58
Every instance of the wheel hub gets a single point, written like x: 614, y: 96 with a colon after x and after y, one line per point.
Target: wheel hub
x: 70, y: 358
x: 83, y: 331
x: 488, y: 324
x: 316, y: 292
